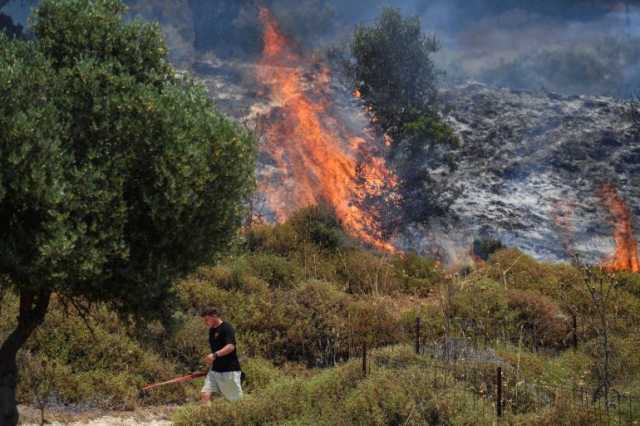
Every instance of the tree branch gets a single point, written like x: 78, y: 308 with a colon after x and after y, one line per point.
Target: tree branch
x: 83, y: 311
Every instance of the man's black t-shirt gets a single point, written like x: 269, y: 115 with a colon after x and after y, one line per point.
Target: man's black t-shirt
x: 219, y: 338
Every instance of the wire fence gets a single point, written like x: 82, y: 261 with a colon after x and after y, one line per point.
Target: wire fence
x: 468, y: 366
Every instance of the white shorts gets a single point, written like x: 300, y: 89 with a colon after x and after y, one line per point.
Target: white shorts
x: 227, y: 383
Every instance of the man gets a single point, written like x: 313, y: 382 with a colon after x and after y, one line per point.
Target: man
x: 224, y: 376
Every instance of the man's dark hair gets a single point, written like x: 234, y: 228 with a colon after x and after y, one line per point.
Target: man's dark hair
x: 209, y: 312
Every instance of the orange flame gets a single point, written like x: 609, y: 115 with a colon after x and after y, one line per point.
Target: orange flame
x: 626, y: 255
x: 320, y: 160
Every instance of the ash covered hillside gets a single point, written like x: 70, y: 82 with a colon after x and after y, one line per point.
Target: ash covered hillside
x: 532, y: 165
x: 535, y: 165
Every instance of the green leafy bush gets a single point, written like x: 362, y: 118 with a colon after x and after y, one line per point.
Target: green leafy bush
x: 418, y: 274
x: 539, y: 318
x: 289, y: 322
x: 277, y: 271
x: 366, y: 273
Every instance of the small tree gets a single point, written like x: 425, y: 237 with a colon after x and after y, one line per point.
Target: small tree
x: 115, y: 176
x: 394, y: 73
x: 393, y: 69
x: 600, y: 286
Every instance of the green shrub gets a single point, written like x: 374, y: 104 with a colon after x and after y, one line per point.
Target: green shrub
x: 373, y: 322
x: 260, y: 373
x: 279, y: 239
x: 320, y: 226
x: 566, y: 412
x: 91, y: 361
x: 569, y: 367
x: 418, y: 274
x: 277, y: 271
x: 517, y: 270
x: 539, y: 318
x: 386, y: 398
x: 187, y: 343
x: 339, y: 396
x: 431, y: 320
x: 481, y: 309
x: 629, y: 282
x: 43, y: 380
x: 363, y: 272
x: 317, y: 225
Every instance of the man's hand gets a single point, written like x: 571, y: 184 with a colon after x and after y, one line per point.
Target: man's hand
x: 209, y: 358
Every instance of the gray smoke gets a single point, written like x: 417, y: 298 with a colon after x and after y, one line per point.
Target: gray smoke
x: 569, y: 46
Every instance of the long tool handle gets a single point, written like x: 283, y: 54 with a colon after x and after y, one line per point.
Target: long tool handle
x: 180, y: 379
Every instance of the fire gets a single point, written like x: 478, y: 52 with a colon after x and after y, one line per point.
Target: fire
x: 319, y: 159
x: 626, y: 254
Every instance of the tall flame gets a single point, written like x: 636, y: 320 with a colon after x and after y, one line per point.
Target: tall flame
x: 320, y: 159
x: 626, y: 254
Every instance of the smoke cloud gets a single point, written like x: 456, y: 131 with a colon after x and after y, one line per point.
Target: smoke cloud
x: 570, y: 46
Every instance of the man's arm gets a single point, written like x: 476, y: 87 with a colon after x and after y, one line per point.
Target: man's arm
x: 229, y: 336
x: 226, y: 350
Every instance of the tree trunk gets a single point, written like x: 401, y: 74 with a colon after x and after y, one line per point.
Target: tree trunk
x: 33, y: 307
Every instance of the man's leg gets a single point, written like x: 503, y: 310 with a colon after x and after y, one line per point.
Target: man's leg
x: 229, y: 385
x: 208, y: 388
x: 205, y: 397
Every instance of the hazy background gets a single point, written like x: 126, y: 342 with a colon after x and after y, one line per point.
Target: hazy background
x: 565, y: 46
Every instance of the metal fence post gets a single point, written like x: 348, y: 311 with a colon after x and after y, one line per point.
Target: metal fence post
x: 575, y: 332
x: 618, y: 408
x: 364, y: 359
x: 499, y: 392
x: 418, y: 335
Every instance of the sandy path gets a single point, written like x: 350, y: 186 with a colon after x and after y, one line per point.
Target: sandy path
x: 109, y: 421
x: 150, y: 416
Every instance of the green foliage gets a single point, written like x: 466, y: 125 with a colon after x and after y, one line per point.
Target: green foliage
x: 418, y: 273
x: 426, y: 126
x: 289, y: 322
x: 260, y: 374
x: 115, y: 177
x: 367, y: 273
x: 516, y: 270
x: 566, y: 412
x: 394, y: 69
x: 276, y: 271
x: 540, y: 319
x: 318, y: 225
x: 315, y: 225
x: 629, y: 282
x: 91, y: 361
x: 484, y: 305
x: 342, y: 396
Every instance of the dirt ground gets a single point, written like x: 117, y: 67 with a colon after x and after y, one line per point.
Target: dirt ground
x: 151, y: 416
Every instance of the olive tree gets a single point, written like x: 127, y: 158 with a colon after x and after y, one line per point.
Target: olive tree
x: 392, y: 68
x: 116, y: 176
